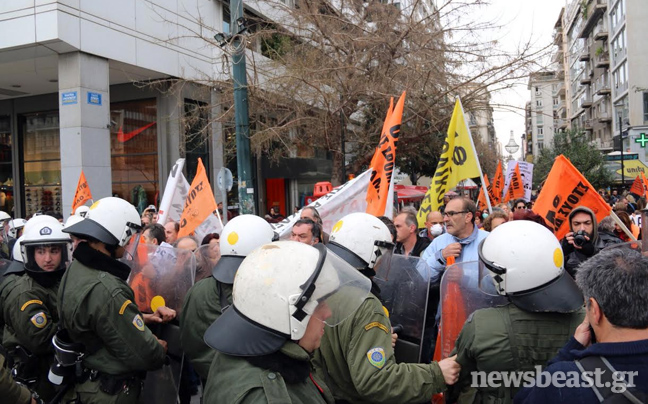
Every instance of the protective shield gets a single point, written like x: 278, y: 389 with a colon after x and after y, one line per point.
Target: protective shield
x: 206, y: 258
x: 404, y: 284
x: 461, y: 295
x: 162, y: 276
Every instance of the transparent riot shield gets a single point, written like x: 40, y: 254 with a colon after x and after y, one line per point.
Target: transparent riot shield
x: 464, y: 289
x: 404, y: 287
x: 162, y: 276
x: 206, y: 258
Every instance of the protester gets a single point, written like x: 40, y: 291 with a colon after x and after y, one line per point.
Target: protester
x: 524, y: 262
x: 606, y: 231
x: 582, y: 241
x: 274, y: 216
x: 460, y: 241
x: 519, y: 204
x: 311, y: 213
x: 390, y: 226
x: 478, y: 219
x: 495, y: 219
x: 433, y: 225
x: 625, y: 219
x: 525, y: 214
x: 153, y: 234
x: 306, y: 231
x: 612, y: 341
x: 408, y: 242
x: 171, y: 230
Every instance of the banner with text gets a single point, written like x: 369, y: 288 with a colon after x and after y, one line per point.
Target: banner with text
x: 526, y: 171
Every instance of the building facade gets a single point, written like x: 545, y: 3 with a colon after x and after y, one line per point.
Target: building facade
x: 602, y: 56
x: 544, y: 88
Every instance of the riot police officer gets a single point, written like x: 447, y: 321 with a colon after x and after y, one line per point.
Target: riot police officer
x: 356, y: 356
x: 284, y: 295
x: 97, y: 310
x: 525, y: 262
x: 205, y: 301
x: 30, y: 308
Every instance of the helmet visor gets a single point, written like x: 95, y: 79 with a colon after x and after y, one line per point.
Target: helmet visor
x: 339, y: 289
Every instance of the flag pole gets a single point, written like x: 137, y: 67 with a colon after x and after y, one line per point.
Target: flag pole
x: 472, y: 143
x: 623, y: 227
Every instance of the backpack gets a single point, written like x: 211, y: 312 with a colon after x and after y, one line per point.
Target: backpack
x: 605, y: 394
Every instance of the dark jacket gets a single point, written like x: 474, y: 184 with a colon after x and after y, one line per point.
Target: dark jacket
x: 574, y: 256
x: 623, y: 356
x: 419, y: 247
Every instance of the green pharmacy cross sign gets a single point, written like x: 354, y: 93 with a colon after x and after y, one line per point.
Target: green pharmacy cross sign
x: 643, y: 139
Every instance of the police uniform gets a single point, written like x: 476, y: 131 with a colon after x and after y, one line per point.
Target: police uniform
x: 356, y: 359
x: 202, y: 306
x: 235, y: 380
x: 10, y: 391
x: 31, y: 316
x: 97, y: 309
x: 511, y: 340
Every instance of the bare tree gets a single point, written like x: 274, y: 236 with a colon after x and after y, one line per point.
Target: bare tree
x: 323, y: 70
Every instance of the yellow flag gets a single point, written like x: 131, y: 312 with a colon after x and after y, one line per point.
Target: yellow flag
x: 458, y: 161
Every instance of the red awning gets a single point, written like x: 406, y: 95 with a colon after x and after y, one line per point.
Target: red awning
x: 410, y: 192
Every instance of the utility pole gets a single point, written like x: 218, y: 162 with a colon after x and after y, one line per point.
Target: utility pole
x: 246, y: 185
x: 621, y: 147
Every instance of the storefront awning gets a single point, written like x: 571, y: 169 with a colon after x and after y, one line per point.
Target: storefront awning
x: 631, y: 169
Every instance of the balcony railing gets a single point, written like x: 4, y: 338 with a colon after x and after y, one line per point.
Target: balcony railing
x: 600, y: 31
x: 603, y: 60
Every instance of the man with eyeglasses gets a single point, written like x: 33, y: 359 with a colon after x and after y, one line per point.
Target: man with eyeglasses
x: 520, y: 204
x: 460, y: 240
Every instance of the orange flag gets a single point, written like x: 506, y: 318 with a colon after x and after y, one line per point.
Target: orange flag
x: 498, y: 184
x: 199, y: 204
x: 565, y: 189
x: 481, y: 200
x: 516, y: 186
x: 384, y: 160
x: 645, y: 183
x: 82, y: 194
x: 638, y: 187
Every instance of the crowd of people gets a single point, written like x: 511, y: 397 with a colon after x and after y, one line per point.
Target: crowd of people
x: 303, y: 320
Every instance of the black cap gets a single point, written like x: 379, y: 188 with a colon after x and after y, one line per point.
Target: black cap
x: 561, y: 295
x: 234, y: 334
x: 226, y: 267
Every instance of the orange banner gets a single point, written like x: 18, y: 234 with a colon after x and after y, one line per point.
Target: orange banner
x: 481, y: 200
x: 82, y: 194
x: 516, y: 186
x: 645, y: 183
x: 384, y: 160
x: 638, y: 187
x: 565, y: 189
x: 199, y: 204
x: 498, y: 184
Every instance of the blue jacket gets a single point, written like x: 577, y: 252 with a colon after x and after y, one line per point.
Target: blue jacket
x: 623, y: 356
x: 433, y: 254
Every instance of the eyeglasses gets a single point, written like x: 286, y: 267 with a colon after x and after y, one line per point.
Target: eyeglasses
x: 451, y: 213
x: 520, y: 207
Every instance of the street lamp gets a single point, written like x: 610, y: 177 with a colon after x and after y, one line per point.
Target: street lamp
x: 620, y: 106
x: 511, y: 147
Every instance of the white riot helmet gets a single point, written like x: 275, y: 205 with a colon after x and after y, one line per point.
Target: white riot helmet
x: 113, y: 221
x: 82, y: 211
x: 38, y: 220
x: 525, y: 261
x: 4, y: 216
x: 278, y: 289
x: 16, y: 254
x: 14, y: 227
x: 240, y: 236
x: 46, y: 234
x: 360, y: 239
x: 72, y: 220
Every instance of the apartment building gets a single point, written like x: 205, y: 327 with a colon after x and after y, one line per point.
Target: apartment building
x: 542, y: 110
x: 480, y: 117
x: 602, y: 56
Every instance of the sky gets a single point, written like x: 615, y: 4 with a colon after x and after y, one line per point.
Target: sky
x: 521, y: 20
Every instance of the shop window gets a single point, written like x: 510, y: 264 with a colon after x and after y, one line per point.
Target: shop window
x: 42, y: 162
x: 133, y: 152
x: 196, y: 137
x: 6, y: 168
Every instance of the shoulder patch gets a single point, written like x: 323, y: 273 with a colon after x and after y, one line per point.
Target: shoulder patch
x: 376, y: 357
x: 376, y: 324
x: 24, y: 306
x: 138, y: 322
x: 386, y: 311
x: 39, y: 320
